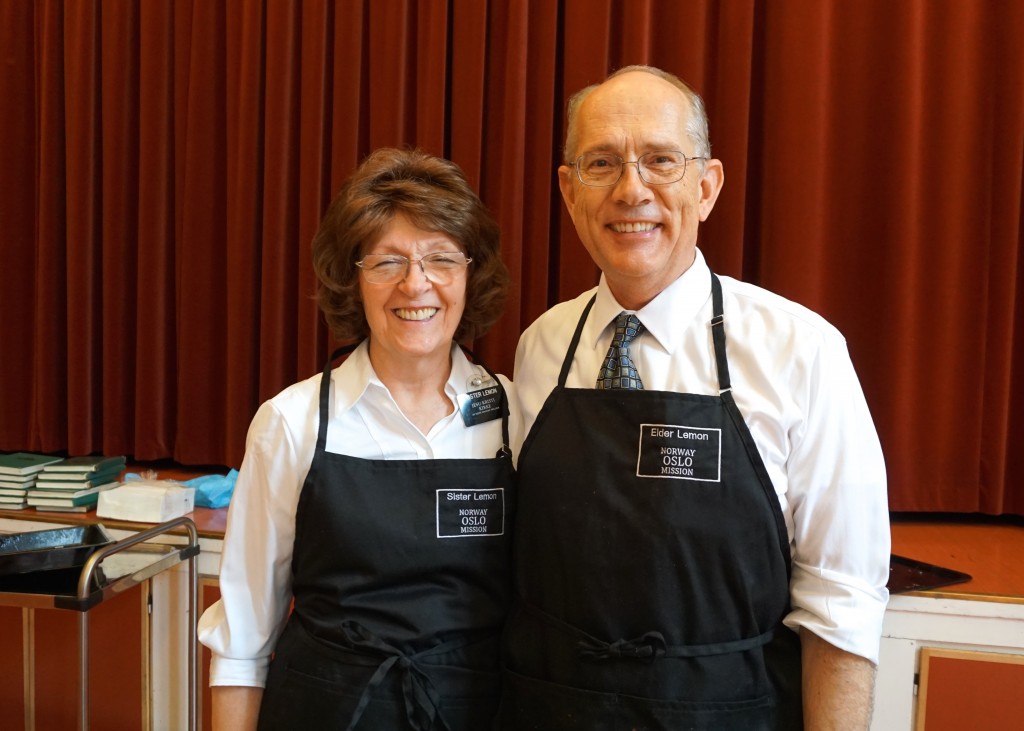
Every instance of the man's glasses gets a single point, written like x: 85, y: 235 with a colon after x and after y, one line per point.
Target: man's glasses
x: 661, y: 167
x: 440, y: 267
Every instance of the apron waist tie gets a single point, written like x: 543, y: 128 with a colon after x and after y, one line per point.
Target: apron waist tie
x: 651, y: 646
x: 648, y: 647
x: 422, y: 701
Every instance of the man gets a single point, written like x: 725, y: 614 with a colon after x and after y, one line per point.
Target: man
x: 703, y: 536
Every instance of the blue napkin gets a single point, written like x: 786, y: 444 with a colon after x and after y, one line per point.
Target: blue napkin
x: 212, y: 491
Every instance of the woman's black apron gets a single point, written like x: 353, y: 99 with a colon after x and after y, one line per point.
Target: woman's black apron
x: 652, y: 567
x: 402, y: 580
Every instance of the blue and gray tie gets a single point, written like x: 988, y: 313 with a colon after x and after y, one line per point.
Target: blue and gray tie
x: 618, y: 370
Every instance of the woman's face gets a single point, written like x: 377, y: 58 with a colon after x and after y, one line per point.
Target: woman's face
x: 414, y: 317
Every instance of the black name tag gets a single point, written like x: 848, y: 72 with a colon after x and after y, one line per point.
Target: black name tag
x: 680, y: 452
x: 480, y: 406
x: 468, y: 513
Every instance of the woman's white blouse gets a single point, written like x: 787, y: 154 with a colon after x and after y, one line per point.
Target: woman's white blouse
x: 242, y: 628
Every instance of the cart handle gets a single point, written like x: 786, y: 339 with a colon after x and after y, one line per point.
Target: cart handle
x: 85, y: 579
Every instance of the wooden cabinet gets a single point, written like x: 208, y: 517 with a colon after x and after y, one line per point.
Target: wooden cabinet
x: 919, y: 628
x: 139, y: 639
x: 40, y: 666
x: 984, y: 616
x: 915, y: 626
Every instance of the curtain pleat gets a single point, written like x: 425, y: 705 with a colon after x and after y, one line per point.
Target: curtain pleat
x: 1000, y: 118
x: 164, y: 166
x: 526, y: 227
x: 47, y: 419
x: 151, y: 287
x: 258, y: 67
x: 119, y: 199
x: 84, y: 243
x: 313, y: 188
x: 504, y: 153
x: 391, y: 71
x: 17, y: 220
x: 203, y: 251
x: 732, y: 82
x: 467, y: 123
x: 431, y: 69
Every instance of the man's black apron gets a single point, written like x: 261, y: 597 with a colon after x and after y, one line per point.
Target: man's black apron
x: 402, y: 580
x: 652, y: 566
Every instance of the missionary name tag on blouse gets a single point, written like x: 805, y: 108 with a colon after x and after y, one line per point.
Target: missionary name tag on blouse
x: 466, y: 513
x: 680, y: 452
x: 480, y: 406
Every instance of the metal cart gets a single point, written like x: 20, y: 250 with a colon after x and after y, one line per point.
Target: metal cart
x: 133, y: 560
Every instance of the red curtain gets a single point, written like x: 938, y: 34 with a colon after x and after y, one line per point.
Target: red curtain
x: 164, y: 165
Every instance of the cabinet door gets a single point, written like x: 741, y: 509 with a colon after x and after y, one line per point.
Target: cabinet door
x: 12, y: 664
x: 39, y: 666
x: 117, y: 663
x: 970, y: 690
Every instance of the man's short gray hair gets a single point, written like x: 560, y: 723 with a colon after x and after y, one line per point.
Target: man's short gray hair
x: 696, y: 124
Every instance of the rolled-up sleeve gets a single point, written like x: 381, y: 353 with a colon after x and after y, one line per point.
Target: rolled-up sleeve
x: 242, y: 628
x: 840, y: 521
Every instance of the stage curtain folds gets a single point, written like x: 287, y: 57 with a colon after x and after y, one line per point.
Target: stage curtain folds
x: 164, y: 165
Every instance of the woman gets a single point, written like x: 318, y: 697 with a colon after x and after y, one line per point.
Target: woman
x: 377, y: 495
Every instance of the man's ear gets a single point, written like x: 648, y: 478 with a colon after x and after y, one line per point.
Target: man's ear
x: 710, y: 186
x: 565, y: 184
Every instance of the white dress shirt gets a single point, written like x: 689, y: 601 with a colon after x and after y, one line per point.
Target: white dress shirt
x: 796, y: 388
x: 243, y: 627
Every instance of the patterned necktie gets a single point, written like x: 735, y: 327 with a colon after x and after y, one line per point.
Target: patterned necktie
x: 618, y: 370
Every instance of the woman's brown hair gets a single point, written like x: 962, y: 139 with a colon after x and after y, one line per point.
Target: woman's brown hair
x: 434, y: 195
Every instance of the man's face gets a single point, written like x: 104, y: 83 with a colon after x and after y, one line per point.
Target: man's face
x: 642, y: 236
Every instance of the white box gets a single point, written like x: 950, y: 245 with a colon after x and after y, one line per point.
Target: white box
x: 146, y: 501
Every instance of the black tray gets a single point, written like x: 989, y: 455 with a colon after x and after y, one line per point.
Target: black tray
x: 47, y: 550
x: 907, y: 574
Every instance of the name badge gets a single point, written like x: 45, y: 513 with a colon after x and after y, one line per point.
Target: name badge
x: 480, y: 406
x: 680, y: 452
x: 467, y: 513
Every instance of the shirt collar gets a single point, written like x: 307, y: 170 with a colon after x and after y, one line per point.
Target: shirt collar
x: 665, y: 317
x: 359, y: 377
x: 358, y: 374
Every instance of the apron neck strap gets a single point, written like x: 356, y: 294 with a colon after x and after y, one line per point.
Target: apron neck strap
x: 718, y: 334
x: 325, y: 395
x: 571, y: 352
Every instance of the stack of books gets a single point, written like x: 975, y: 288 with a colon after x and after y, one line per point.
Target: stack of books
x: 18, y: 472
x: 74, y: 485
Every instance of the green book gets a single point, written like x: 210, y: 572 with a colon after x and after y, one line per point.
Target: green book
x: 13, y: 480
x: 63, y: 508
x: 14, y: 485
x: 42, y: 494
x: 25, y: 463
x: 69, y: 481
x: 63, y: 502
x: 86, y: 465
x: 13, y: 491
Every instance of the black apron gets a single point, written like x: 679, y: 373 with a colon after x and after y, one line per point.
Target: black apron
x: 401, y: 580
x: 652, y: 567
